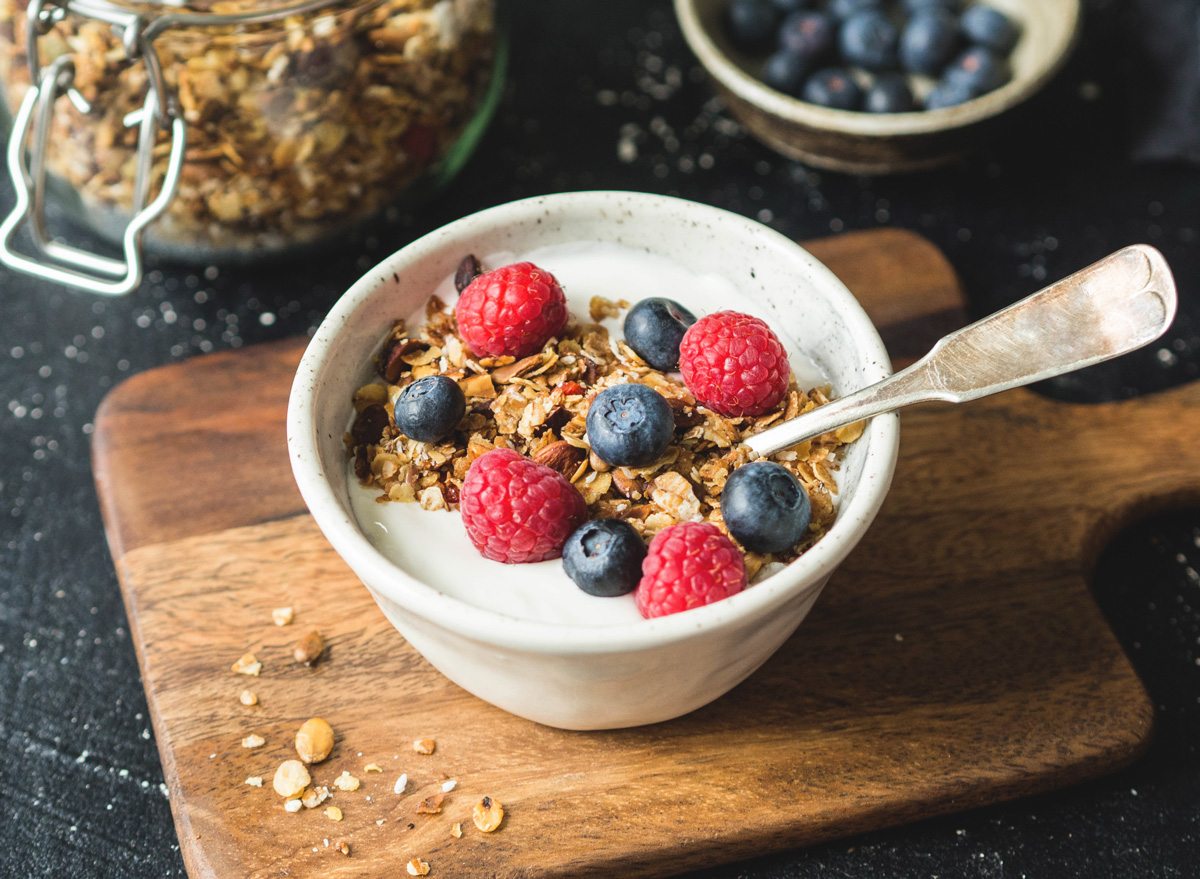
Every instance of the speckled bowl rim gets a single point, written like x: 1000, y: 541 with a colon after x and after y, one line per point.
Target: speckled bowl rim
x: 882, y: 125
x: 393, y: 582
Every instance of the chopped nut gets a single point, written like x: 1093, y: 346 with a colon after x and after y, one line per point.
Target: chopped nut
x: 372, y: 767
x: 291, y: 778
x: 247, y: 665
x: 309, y: 648
x: 424, y: 746
x: 561, y: 456
x: 342, y: 846
x: 487, y: 814
x: 254, y: 740
x: 314, y: 740
x: 333, y: 813
x: 417, y: 867
x: 314, y: 796
x: 282, y: 616
x: 248, y: 698
x: 431, y: 805
x: 254, y: 781
x: 346, y: 782
x: 456, y: 830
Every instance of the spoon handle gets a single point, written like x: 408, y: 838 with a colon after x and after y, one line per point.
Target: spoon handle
x: 1112, y: 307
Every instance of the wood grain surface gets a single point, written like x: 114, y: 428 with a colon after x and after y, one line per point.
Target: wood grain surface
x: 956, y: 659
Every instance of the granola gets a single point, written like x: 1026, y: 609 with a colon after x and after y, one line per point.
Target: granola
x: 538, y: 406
x: 294, y: 128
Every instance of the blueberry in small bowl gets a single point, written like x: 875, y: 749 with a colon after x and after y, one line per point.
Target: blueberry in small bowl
x: 990, y: 27
x: 872, y: 141
x: 889, y: 93
x: 833, y: 88
x: 868, y: 39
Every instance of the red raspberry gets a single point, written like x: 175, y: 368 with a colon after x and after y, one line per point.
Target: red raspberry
x: 734, y: 364
x: 518, y: 511
x: 512, y: 310
x: 689, y: 565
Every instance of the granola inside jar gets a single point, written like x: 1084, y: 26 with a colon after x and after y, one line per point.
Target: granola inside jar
x: 301, y: 118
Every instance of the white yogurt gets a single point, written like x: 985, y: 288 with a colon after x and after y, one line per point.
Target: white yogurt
x: 433, y: 545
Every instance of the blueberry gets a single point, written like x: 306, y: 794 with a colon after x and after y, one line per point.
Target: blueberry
x: 991, y: 28
x: 869, y: 39
x: 845, y: 8
x: 832, y: 87
x: 912, y: 6
x: 784, y: 71
x: 810, y: 35
x: 430, y: 408
x: 751, y: 23
x: 786, y: 7
x: 978, y: 69
x: 765, y: 507
x: 604, y: 557
x: 655, y: 327
x: 947, y: 94
x: 889, y: 94
x: 928, y: 41
x: 630, y: 425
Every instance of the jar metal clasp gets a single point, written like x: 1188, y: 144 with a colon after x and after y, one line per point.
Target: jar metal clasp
x: 28, y: 143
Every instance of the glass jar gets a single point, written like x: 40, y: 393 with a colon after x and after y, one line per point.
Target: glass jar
x: 230, y: 130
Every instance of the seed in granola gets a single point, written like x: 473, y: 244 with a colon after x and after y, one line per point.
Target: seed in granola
x: 417, y: 867
x: 247, y: 665
x: 346, y: 782
x: 449, y: 785
x: 401, y: 784
x: 314, y: 796
x: 431, y: 805
x: 468, y: 270
x: 254, y: 740
x: 314, y: 740
x: 487, y: 814
x: 248, y: 698
x: 309, y: 648
x: 282, y: 616
x: 424, y: 746
x: 291, y: 778
x: 333, y: 813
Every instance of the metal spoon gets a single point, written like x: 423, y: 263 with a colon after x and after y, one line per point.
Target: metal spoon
x: 1114, y: 306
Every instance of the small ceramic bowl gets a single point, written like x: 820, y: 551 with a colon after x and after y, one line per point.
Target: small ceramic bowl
x: 576, y: 676
x: 876, y: 143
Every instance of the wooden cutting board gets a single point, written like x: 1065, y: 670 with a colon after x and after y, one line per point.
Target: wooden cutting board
x: 956, y: 659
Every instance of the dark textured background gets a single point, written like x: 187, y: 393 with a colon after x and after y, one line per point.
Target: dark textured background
x: 605, y: 95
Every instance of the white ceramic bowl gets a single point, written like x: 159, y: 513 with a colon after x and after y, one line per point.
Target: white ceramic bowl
x: 596, y: 677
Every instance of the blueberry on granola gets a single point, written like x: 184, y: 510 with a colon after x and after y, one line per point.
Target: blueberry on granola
x: 765, y: 507
x: 430, y: 408
x: 655, y: 327
x: 630, y: 425
x: 604, y: 557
